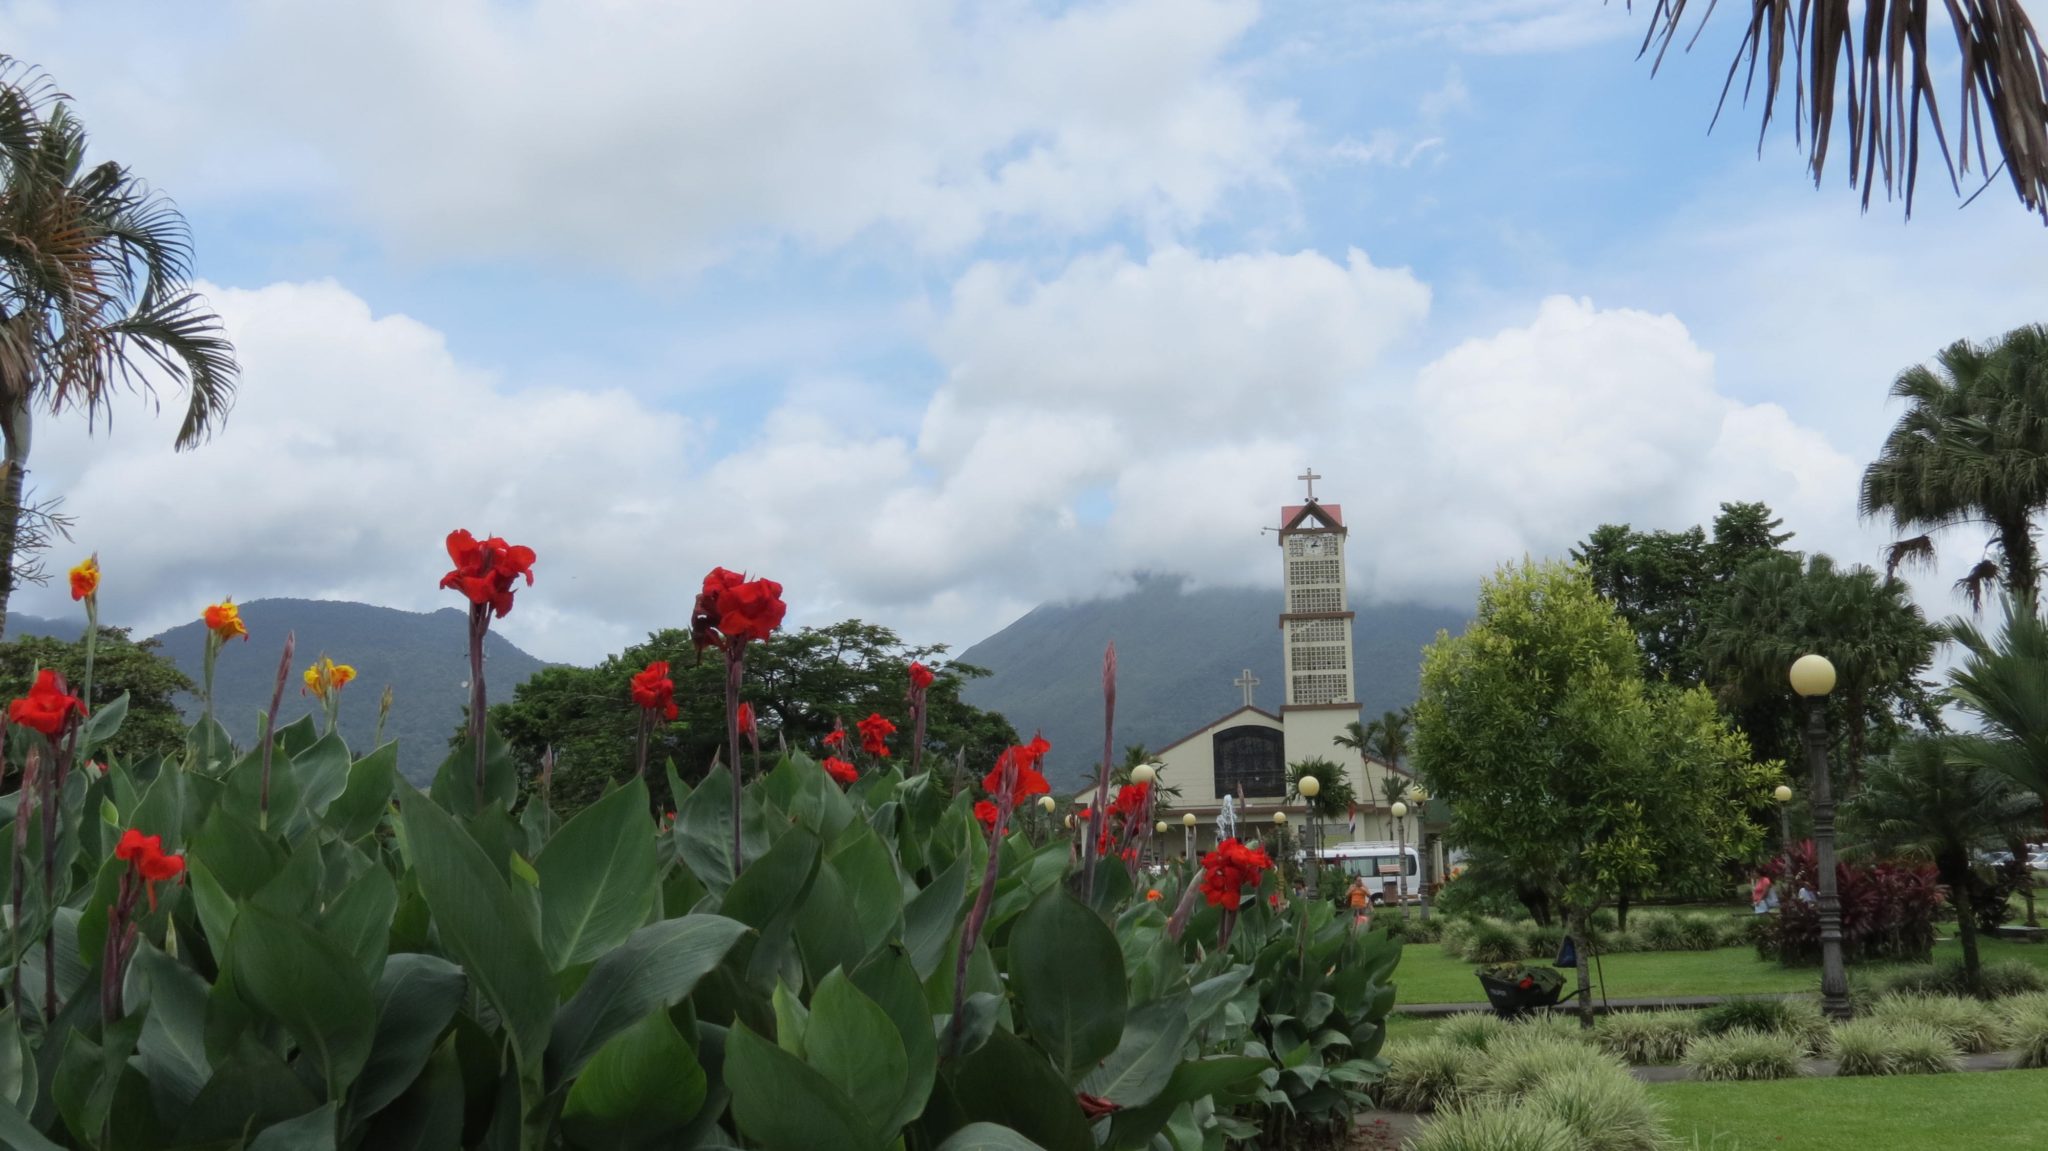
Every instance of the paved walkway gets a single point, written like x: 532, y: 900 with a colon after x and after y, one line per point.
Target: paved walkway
x: 1600, y: 1006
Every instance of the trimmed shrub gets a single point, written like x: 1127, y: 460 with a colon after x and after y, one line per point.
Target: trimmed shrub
x: 1455, y: 935
x: 1494, y: 941
x: 1646, y: 1038
x: 2026, y: 1027
x: 1473, y: 1030
x: 2004, y: 978
x: 1888, y: 1047
x: 1606, y: 1110
x: 1426, y: 1075
x: 1744, y: 1055
x: 1700, y: 932
x: 1604, y: 920
x: 1969, y: 1026
x: 1797, y: 1019
x: 1495, y: 1128
x: 1739, y: 930
x: 1658, y: 931
x: 1416, y: 929
x: 2009, y: 977
x: 1540, y: 941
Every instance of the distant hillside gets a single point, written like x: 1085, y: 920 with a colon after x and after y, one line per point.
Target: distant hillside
x: 1177, y: 653
x: 423, y: 657
x: 19, y: 625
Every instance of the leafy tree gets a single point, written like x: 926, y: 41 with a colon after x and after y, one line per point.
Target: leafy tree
x: 1971, y: 449
x: 121, y: 664
x: 95, y: 291
x: 798, y: 683
x: 1777, y: 609
x: 1889, y: 81
x: 1925, y: 796
x: 1537, y: 730
x: 2002, y: 680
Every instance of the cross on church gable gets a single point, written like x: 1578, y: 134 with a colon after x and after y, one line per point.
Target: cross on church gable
x: 1246, y: 682
x: 1309, y: 477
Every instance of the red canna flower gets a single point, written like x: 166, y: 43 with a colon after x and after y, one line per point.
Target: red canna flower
x: 988, y: 815
x: 836, y: 738
x: 47, y: 707
x: 224, y: 620
x: 1226, y: 870
x: 1026, y: 782
x: 144, y: 854
x: 1095, y: 1107
x: 653, y: 690
x: 1153, y: 896
x: 745, y: 717
x: 841, y: 771
x: 920, y: 676
x: 874, y: 733
x: 486, y: 570
x: 85, y: 578
x: 736, y: 609
x: 1130, y: 800
x: 134, y: 845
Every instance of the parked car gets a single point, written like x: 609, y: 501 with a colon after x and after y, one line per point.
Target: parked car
x: 2038, y: 861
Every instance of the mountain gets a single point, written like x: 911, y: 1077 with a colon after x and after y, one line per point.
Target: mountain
x: 424, y: 658
x: 1177, y: 653
x: 19, y: 624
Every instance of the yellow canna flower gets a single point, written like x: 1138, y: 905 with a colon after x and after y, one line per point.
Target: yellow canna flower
x: 224, y: 620
x: 341, y: 674
x: 326, y: 676
x: 85, y: 578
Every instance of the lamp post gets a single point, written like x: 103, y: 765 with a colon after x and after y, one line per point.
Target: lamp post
x: 1400, y: 813
x: 1783, y: 795
x: 1813, y: 677
x: 1310, y: 787
x: 1187, y: 823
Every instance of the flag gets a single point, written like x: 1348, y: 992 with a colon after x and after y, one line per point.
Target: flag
x: 1352, y: 825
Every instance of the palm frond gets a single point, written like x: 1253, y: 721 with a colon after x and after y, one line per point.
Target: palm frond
x: 183, y: 338
x: 1888, y: 82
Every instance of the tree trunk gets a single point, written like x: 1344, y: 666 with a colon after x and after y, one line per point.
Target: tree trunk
x: 1966, y: 920
x: 15, y: 428
x: 1621, y: 911
x: 1584, y: 956
x: 2022, y: 561
x: 2017, y: 845
x: 1856, y: 725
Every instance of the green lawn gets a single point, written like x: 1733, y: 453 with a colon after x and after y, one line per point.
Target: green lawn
x: 1427, y: 975
x: 1992, y: 1111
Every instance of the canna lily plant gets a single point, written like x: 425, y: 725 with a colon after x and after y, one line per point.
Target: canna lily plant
x: 288, y: 946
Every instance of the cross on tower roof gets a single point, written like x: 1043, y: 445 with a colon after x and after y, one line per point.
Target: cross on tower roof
x: 1309, y: 477
x: 1247, y: 682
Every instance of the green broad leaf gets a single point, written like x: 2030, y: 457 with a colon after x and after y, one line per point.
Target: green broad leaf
x: 978, y: 1014
x: 295, y: 737
x: 772, y: 884
x: 1134, y: 1128
x: 215, y: 906
x: 597, y: 878
x: 428, y: 1116
x: 703, y: 830
x: 251, y: 1089
x: 296, y: 886
x: 792, y: 1019
x: 171, y: 1052
x: 88, y: 1076
x: 481, y: 925
x: 1009, y: 1083
x: 307, y: 982
x: 873, y: 889
x: 208, y: 747
x: 678, y: 791
x: 638, y: 1090
x: 241, y: 858
x: 360, y: 918
x: 1144, y: 1059
x: 366, y: 796
x: 1068, y: 975
x: 1206, y: 998
x: 815, y: 801
x: 987, y: 1137
x: 416, y: 997
x: 106, y: 886
x: 853, y: 1043
x: 313, y: 1131
x: 891, y: 982
x: 323, y: 772
x: 931, y: 916
x: 244, y: 794
x: 828, y: 935
x: 521, y: 870
x: 783, y: 1104
x: 656, y: 967
x: 17, y: 1066
x: 109, y: 814
x: 102, y: 726
x: 162, y: 808
x: 454, y: 787
x: 18, y: 1134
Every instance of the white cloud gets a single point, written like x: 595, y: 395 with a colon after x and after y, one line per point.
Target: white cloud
x: 646, y: 133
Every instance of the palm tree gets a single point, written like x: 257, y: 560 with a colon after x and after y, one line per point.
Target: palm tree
x: 1971, y: 448
x: 1927, y: 796
x: 1889, y: 82
x: 1358, y: 737
x: 1777, y: 609
x: 95, y: 292
x: 2003, y: 681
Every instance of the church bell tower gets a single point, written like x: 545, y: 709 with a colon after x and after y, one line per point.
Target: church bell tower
x: 1315, y: 622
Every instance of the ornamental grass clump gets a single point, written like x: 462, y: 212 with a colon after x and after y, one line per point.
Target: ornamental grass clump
x: 1475, y: 1030
x: 2026, y: 1028
x: 1427, y: 1075
x: 1456, y: 935
x: 1495, y: 941
x: 1998, y: 980
x: 1797, y: 1019
x: 1605, y: 1109
x: 1658, y: 931
x: 1496, y: 1128
x: 1523, y: 1058
x: 1970, y: 1026
x: 1700, y: 932
x: 1647, y: 1038
x: 1744, y: 1055
x: 1890, y: 1047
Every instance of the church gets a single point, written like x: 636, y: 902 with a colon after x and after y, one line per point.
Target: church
x: 1245, y: 754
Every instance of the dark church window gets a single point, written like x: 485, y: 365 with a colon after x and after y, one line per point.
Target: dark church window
x: 1252, y: 758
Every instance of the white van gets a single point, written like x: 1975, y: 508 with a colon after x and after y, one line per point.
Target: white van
x: 1379, y: 864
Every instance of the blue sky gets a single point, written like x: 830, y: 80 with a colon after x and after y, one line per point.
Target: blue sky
x: 936, y: 310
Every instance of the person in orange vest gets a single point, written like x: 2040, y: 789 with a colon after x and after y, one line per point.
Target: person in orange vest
x: 1361, y: 904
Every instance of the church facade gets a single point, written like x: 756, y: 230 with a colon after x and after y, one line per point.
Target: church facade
x: 1245, y: 754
